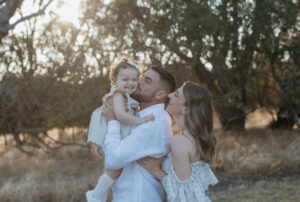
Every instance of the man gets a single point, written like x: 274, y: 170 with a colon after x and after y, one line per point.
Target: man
x: 135, y: 184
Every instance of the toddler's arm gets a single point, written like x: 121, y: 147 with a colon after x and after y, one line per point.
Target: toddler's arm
x: 125, y: 117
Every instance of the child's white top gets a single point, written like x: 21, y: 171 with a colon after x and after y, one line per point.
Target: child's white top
x: 98, y: 125
x: 192, y: 189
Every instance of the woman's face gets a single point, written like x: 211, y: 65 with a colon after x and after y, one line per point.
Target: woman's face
x: 176, y: 104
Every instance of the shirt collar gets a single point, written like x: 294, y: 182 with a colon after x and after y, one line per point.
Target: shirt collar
x: 149, y: 110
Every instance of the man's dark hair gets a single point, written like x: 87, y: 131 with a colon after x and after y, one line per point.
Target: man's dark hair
x: 165, y: 77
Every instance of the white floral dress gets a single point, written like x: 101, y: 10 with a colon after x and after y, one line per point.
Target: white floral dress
x: 189, y: 190
x: 98, y: 125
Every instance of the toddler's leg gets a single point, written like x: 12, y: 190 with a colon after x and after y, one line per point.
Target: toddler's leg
x: 101, y: 190
x: 114, y: 174
x: 99, y: 193
x: 104, y: 183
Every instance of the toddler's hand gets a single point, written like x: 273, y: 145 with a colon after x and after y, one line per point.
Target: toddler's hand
x: 99, y: 151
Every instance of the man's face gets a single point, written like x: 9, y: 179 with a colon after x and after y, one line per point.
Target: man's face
x: 147, y: 86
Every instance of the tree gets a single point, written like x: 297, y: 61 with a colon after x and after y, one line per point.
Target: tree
x: 218, y: 41
x: 8, y: 9
x: 38, y: 94
x: 280, y: 49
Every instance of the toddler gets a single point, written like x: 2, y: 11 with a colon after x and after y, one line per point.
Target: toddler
x: 124, y: 76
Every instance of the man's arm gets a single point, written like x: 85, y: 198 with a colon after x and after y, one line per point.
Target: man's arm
x: 144, y: 140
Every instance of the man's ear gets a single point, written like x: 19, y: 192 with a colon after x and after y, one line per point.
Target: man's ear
x: 161, y: 94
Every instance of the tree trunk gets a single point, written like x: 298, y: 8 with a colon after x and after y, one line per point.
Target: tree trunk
x: 8, y: 9
x: 6, y: 12
x: 231, y: 117
x: 285, y: 119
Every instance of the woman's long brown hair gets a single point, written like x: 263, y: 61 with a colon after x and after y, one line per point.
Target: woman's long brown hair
x: 199, y: 119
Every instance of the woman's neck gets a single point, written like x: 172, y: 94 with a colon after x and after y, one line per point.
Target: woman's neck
x: 181, y: 125
x: 180, y: 122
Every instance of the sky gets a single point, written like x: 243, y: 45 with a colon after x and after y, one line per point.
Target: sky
x: 67, y: 10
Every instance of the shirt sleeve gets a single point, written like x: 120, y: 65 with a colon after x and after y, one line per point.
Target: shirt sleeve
x: 144, y: 140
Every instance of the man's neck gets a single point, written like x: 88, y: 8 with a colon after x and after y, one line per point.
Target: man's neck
x: 144, y: 105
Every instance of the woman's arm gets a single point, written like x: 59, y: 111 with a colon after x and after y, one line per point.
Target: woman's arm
x: 122, y: 115
x: 180, y: 156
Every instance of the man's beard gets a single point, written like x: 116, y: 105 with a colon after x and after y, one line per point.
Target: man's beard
x: 141, y: 98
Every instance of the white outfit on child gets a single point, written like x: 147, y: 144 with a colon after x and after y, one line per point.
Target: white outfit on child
x: 98, y: 125
x: 192, y: 189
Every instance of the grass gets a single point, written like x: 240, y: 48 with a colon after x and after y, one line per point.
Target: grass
x: 258, y: 152
x: 63, y: 176
x: 255, y: 165
x: 285, y: 189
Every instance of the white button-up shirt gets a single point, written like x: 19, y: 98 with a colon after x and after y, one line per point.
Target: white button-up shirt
x: 136, y: 184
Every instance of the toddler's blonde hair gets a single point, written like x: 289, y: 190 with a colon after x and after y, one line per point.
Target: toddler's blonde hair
x: 123, y: 63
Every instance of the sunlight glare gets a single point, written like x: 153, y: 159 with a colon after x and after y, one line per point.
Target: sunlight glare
x: 68, y: 11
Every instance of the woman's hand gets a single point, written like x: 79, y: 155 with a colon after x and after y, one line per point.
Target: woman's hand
x: 152, y: 165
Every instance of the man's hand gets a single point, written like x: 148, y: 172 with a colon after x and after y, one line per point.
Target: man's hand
x: 152, y: 165
x: 108, y: 111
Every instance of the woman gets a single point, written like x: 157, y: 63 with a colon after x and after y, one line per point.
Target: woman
x: 185, y: 173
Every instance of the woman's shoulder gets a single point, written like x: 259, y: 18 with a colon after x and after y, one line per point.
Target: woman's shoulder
x: 179, y: 139
x: 179, y: 143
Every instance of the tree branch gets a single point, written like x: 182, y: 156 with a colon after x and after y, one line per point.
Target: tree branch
x: 39, y: 12
x: 2, y: 1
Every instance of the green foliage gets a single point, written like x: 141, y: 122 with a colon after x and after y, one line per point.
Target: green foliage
x: 226, y: 44
x: 245, y: 52
x: 289, y: 103
x: 39, y: 93
x: 33, y: 104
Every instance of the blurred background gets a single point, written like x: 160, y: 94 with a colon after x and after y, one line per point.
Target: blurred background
x: 54, y: 60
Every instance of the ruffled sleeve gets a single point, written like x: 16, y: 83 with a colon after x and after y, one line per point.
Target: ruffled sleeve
x: 192, y: 189
x: 113, y: 90
x: 131, y: 103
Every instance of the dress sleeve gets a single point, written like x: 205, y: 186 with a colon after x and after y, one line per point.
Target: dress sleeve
x: 192, y: 189
x: 112, y: 92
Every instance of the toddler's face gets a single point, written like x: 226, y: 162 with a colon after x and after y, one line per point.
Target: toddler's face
x: 127, y: 79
